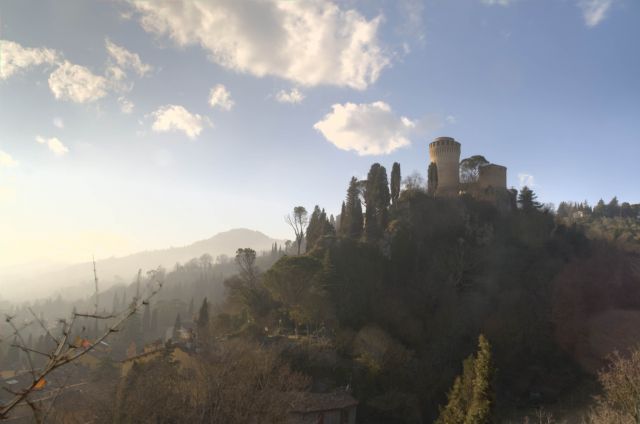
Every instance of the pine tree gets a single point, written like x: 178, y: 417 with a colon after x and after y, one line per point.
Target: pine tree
x: 527, y: 200
x: 395, y: 182
x: 342, y: 228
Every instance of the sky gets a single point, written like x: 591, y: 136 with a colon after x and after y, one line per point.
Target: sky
x: 128, y: 125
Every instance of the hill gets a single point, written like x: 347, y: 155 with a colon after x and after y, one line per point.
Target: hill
x: 77, y: 280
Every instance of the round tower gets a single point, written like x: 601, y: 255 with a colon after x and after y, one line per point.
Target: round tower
x: 493, y: 175
x: 445, y: 152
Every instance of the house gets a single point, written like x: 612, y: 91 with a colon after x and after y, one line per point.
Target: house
x: 337, y: 407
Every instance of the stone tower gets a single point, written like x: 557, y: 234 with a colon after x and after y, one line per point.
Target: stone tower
x: 445, y: 152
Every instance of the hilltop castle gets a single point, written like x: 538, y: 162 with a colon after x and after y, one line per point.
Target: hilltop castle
x: 488, y: 180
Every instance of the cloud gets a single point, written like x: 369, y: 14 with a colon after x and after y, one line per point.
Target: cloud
x: 307, y: 42
x: 220, y: 97
x: 450, y: 119
x: 176, y: 117
x: 14, y: 58
x: 594, y: 11
x: 293, y: 96
x: 526, y: 180
x: 126, y: 105
x: 126, y: 59
x: 497, y: 2
x: 77, y: 84
x: 366, y: 128
x: 54, y: 145
x: 6, y: 161
x: 58, y: 122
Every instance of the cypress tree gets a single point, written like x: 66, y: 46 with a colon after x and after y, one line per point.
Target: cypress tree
x: 395, y: 182
x: 352, y: 221
x: 377, y: 198
x: 432, y: 179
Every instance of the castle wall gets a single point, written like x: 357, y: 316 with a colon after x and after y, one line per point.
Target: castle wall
x: 493, y: 176
x: 445, y: 152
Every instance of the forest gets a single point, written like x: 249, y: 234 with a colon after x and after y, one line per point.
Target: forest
x: 414, y: 307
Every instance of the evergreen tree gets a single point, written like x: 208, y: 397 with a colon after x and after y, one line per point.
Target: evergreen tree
x: 203, y: 315
x: 527, y: 200
x: 314, y: 229
x: 613, y: 208
x: 352, y: 219
x: 395, y: 182
x: 481, y: 400
x: 377, y: 199
x: 600, y: 209
x: 432, y: 179
x: 342, y: 228
x: 470, y: 400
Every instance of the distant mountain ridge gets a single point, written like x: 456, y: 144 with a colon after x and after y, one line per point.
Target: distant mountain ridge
x: 123, y: 269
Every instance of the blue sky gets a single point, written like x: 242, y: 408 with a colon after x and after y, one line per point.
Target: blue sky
x: 131, y: 124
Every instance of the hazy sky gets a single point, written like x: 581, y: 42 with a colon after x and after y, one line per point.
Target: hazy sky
x: 127, y: 125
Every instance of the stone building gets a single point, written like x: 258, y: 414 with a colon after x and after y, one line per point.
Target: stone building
x: 491, y: 182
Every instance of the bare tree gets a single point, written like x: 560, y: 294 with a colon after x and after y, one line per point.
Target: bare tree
x: 64, y: 351
x: 298, y: 222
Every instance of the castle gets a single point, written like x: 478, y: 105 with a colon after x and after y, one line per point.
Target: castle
x: 488, y: 181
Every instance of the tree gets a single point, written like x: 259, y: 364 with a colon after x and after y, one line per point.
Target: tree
x: 414, y: 182
x: 298, y: 222
x: 296, y: 282
x: 470, y: 400
x: 527, y: 200
x: 620, y: 401
x: 319, y: 226
x: 395, y: 182
x: 470, y: 168
x: 246, y: 260
x: 600, y: 209
x: 377, y: 200
x: 351, y: 221
x: 432, y: 179
x: 203, y: 315
x: 613, y: 208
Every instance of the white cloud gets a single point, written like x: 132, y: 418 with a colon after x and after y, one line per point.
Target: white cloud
x: 450, y: 119
x: 58, y: 122
x: 14, y: 58
x: 77, y: 84
x: 126, y: 105
x: 54, y: 145
x: 594, y: 11
x: 366, y: 128
x: 176, y: 117
x: 126, y: 59
x: 308, y: 42
x: 497, y: 2
x: 220, y: 97
x: 6, y: 161
x: 526, y: 180
x: 293, y: 96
